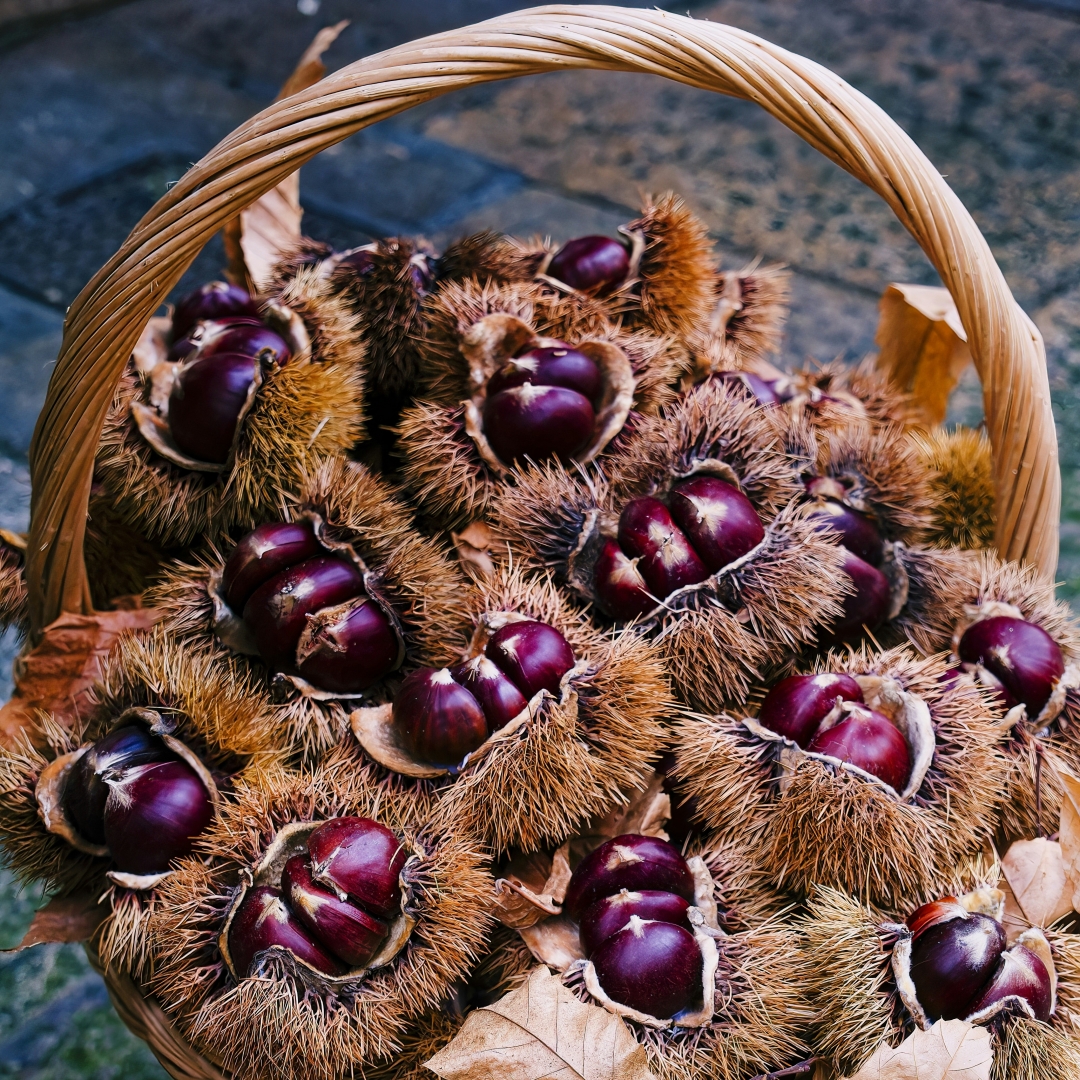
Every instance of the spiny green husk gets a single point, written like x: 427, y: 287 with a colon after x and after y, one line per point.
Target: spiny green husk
x: 301, y: 412
x: 829, y: 827
x: 961, y: 471
x: 283, y: 1023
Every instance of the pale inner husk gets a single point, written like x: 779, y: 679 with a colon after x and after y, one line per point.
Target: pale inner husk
x: 49, y: 792
x: 908, y: 712
x: 499, y: 337
x: 292, y: 840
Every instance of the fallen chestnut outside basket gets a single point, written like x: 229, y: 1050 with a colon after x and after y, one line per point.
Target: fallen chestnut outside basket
x: 67, y: 638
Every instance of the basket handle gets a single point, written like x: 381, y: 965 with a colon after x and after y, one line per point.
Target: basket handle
x: 106, y: 319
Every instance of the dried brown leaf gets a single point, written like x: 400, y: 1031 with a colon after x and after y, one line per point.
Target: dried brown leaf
x: 532, y: 887
x: 542, y: 1030
x: 473, y: 545
x: 950, y: 1050
x: 1069, y: 836
x: 64, y: 919
x: 1035, y: 872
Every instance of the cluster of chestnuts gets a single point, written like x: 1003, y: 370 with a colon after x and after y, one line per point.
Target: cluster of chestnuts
x: 334, y: 905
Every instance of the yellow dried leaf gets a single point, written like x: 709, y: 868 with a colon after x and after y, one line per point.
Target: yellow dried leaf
x: 1069, y: 836
x: 923, y: 345
x: 542, y: 1030
x: 950, y: 1050
x: 1036, y: 875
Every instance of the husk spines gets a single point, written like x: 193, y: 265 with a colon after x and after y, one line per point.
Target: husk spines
x: 483, y: 255
x: 120, y: 561
x: 961, y: 484
x: 13, y: 596
x: 756, y: 329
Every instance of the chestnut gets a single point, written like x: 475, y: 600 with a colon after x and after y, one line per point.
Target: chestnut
x: 263, y: 921
x: 533, y: 655
x: 205, y: 404
x: 654, y: 967
x: 595, y: 264
x: 347, y: 648
x: 499, y: 698
x: 1023, y: 657
x: 871, y: 741
x: 264, y: 552
x: 761, y: 390
x: 538, y: 422
x: 866, y: 607
x: 858, y: 533
x: 277, y: 611
x: 258, y: 341
x: 718, y: 519
x: 153, y: 814
x: 343, y: 929
x: 362, y: 859
x: 630, y: 862
x: 611, y: 913
x: 557, y: 365
x: 620, y: 589
x: 214, y: 300
x: 1019, y: 974
x: 438, y: 720
x: 86, y: 789
x: 795, y: 706
x: 666, y: 560
x: 952, y: 961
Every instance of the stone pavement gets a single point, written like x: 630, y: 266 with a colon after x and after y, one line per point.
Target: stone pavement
x: 98, y: 114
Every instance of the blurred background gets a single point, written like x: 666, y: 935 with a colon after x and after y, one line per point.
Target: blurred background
x: 103, y: 106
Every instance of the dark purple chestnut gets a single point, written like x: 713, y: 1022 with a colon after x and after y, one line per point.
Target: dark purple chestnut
x: 666, y: 559
x: 762, y: 391
x: 153, y: 814
x: 865, y: 608
x: 591, y: 264
x: 550, y: 366
x: 202, y: 332
x: 718, y: 519
x: 343, y: 929
x: 350, y: 647
x: 264, y: 552
x: 500, y: 699
x: 538, y: 422
x: 360, y: 262
x: 438, y: 720
x: 259, y: 341
x: 277, y: 611
x: 214, y: 300
x: 858, y: 533
x: 532, y: 655
x: 951, y: 962
x: 1020, y: 973
x: 362, y: 859
x: 620, y: 589
x: 263, y: 921
x: 869, y: 740
x: 205, y: 404
x: 86, y: 790
x: 654, y: 967
x: 630, y: 862
x: 795, y: 706
x: 611, y: 913
x: 1023, y: 657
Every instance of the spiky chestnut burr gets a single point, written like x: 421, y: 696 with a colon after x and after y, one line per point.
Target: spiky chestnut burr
x: 214, y: 300
x: 869, y: 740
x: 765, y: 392
x: 591, y: 264
x: 610, y: 914
x: 795, y: 706
x: 359, y: 858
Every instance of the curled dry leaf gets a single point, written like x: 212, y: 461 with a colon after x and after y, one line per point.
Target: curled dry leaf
x: 950, y: 1050
x: 473, y: 546
x: 1035, y: 872
x: 64, y: 919
x: 542, y: 1030
x: 1069, y: 836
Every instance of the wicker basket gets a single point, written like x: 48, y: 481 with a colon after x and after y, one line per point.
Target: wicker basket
x: 105, y: 321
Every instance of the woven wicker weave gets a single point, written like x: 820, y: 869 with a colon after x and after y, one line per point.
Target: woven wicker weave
x: 108, y: 316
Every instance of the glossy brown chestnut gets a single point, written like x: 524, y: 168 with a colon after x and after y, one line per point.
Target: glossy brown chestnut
x: 260, y: 342
x: 557, y: 365
x: 869, y: 740
x: 362, y: 859
x: 1019, y: 974
x: 153, y: 814
x: 343, y: 929
x: 717, y: 518
x: 761, y: 390
x: 205, y: 404
x: 952, y: 962
x: 438, y: 720
x: 499, y: 698
x: 866, y: 607
x: 611, y: 913
x: 532, y: 655
x: 86, y: 790
x: 620, y: 589
x: 277, y: 611
x: 858, y: 533
x: 214, y: 300
x: 264, y: 552
x: 263, y: 921
x: 666, y: 559
x: 654, y: 967
x: 349, y: 647
x: 630, y: 862
x: 592, y: 264
x: 795, y: 706
x: 538, y: 422
x: 1023, y: 657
